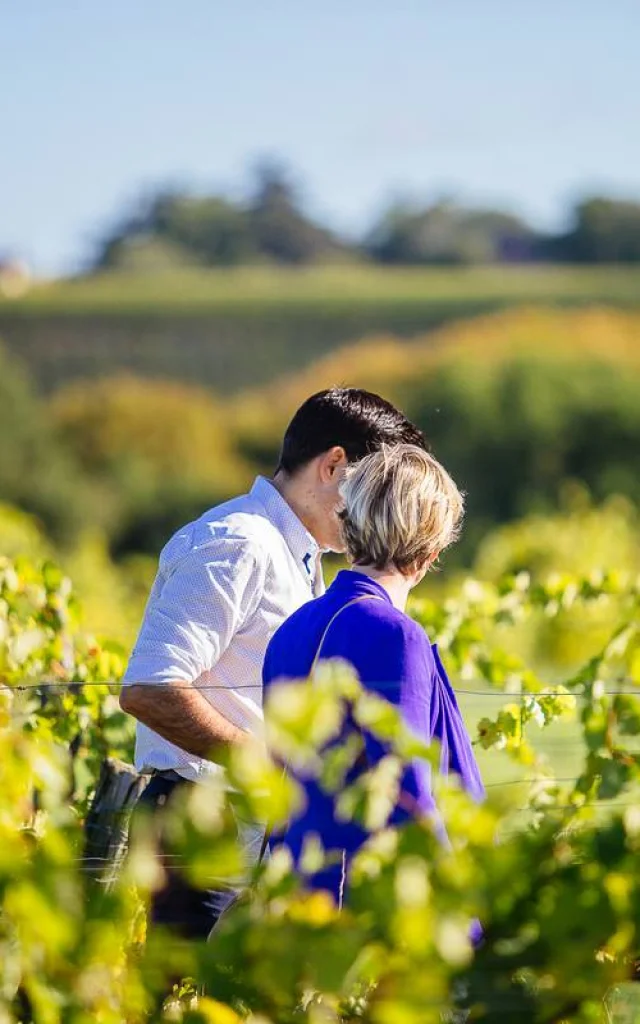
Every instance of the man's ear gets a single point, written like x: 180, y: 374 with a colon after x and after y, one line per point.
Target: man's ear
x: 331, y: 462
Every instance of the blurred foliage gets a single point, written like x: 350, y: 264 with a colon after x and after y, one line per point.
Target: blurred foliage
x: 34, y: 471
x: 149, y: 430
x: 582, y: 539
x: 512, y: 433
x: 559, y: 900
x: 22, y: 534
x: 448, y: 234
x: 113, y: 593
x: 272, y: 224
x: 399, y: 370
x: 579, y: 538
x: 604, y: 231
x: 283, y: 232
x: 214, y: 231
x: 516, y: 404
x: 160, y: 451
x: 42, y: 651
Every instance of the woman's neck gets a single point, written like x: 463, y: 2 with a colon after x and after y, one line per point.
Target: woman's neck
x: 396, y: 585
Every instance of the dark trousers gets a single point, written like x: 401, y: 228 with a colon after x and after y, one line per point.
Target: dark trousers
x: 189, y: 912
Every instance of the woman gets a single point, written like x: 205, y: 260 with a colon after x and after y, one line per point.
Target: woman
x: 401, y: 510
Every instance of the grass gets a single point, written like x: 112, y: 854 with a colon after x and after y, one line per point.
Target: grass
x: 208, y: 291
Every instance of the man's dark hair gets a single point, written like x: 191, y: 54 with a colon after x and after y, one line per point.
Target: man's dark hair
x: 356, y: 420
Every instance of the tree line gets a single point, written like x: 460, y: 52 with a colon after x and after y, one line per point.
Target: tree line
x: 175, y: 228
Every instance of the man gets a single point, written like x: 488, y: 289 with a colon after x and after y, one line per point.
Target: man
x: 225, y: 583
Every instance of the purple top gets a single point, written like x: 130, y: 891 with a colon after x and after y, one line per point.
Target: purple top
x: 393, y: 657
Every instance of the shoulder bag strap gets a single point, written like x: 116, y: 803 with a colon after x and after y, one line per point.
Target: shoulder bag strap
x: 314, y: 665
x: 355, y: 600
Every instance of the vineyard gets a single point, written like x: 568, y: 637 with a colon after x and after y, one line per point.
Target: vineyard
x: 230, y: 329
x: 550, y: 864
x: 536, y: 615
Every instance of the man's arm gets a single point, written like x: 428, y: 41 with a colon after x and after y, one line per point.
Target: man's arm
x: 181, y: 715
x: 190, y: 620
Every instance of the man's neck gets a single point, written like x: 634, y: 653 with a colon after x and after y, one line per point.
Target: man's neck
x: 297, y: 498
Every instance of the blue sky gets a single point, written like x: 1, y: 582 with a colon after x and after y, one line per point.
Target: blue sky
x: 524, y: 104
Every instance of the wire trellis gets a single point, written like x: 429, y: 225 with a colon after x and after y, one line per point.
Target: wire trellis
x: 209, y: 687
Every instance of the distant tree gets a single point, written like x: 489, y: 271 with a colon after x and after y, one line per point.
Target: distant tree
x: 173, y: 229
x: 448, y: 234
x: 605, y: 231
x: 215, y: 230
x: 283, y: 232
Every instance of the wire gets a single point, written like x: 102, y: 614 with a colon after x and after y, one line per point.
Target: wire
x: 496, y: 694
x: 527, y: 782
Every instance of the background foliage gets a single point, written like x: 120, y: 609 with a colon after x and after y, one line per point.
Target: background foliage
x: 175, y: 228
x: 517, y: 404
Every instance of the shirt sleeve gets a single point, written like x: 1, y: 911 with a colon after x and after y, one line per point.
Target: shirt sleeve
x: 194, y: 612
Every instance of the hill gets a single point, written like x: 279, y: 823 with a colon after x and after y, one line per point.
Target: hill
x: 229, y: 330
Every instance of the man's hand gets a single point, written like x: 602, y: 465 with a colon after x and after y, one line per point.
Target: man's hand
x: 181, y: 715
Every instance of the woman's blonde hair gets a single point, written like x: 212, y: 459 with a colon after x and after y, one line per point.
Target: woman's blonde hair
x: 401, y: 508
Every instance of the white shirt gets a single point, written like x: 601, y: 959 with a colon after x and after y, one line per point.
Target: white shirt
x: 225, y: 584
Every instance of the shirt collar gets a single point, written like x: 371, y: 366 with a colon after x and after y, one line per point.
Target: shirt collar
x: 300, y: 542
x: 358, y: 583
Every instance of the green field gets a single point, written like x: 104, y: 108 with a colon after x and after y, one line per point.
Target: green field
x: 201, y: 291
x: 232, y: 329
